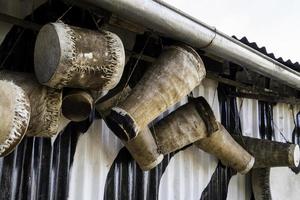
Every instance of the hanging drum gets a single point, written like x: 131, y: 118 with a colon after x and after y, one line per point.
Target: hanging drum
x: 144, y: 150
x: 77, y: 105
x: 275, y: 183
x: 45, y: 104
x: 14, y: 115
x: 224, y: 147
x: 269, y: 153
x: 260, y: 180
x: 67, y: 56
x: 177, y: 71
x: 143, y: 147
x: 189, y: 123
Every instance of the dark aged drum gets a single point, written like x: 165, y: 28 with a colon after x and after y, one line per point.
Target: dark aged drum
x: 67, y: 56
x: 269, y: 153
x: 276, y: 183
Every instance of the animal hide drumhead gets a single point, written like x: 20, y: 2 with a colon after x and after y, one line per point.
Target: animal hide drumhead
x: 276, y: 183
x: 14, y: 116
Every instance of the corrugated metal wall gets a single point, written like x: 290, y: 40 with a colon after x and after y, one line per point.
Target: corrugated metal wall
x: 39, y: 168
x: 186, y: 174
x: 95, y: 165
x: 102, y: 168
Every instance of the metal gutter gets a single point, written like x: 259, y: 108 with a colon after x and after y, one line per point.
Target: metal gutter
x: 166, y: 20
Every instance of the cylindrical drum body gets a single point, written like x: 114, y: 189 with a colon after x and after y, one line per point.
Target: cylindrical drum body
x: 142, y: 148
x: 177, y: 71
x: 78, y: 58
x: 77, y: 105
x: 14, y: 115
x: 269, y: 153
x: 182, y: 127
x: 224, y: 147
x: 45, y: 103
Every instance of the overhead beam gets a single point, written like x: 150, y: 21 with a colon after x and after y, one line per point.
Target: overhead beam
x: 19, y: 22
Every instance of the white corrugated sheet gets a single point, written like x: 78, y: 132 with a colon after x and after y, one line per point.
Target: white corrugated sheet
x: 96, y: 150
x: 284, y: 183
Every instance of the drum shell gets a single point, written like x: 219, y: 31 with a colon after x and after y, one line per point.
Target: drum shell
x: 45, y: 103
x: 224, y: 147
x: 77, y: 105
x: 14, y: 114
x: 182, y: 127
x: 142, y: 148
x: 269, y: 153
x: 78, y: 57
x: 176, y: 72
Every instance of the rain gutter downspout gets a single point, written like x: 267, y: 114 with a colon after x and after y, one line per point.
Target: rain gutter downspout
x: 166, y: 20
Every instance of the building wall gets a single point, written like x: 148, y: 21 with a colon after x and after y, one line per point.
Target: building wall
x: 99, y: 171
x: 95, y: 165
x: 86, y: 161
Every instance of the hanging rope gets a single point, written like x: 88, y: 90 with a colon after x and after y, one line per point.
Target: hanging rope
x: 59, y: 18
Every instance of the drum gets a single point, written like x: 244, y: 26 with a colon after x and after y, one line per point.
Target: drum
x: 78, y: 58
x: 77, y: 105
x: 224, y: 147
x: 143, y: 147
x: 45, y: 103
x: 275, y: 183
x: 14, y: 115
x: 187, y: 124
x: 177, y: 71
x: 269, y: 153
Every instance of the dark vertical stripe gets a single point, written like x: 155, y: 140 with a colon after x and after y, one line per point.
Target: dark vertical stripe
x: 217, y: 188
x: 296, y: 139
x: 125, y: 180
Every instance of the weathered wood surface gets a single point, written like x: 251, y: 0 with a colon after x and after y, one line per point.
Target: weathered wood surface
x: 104, y: 106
